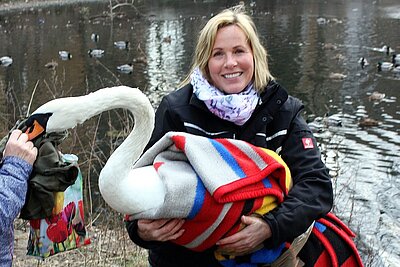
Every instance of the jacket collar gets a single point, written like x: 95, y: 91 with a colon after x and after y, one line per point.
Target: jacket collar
x: 274, y: 92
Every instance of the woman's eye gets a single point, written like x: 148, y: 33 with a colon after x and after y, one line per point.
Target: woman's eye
x: 239, y: 51
x: 217, y: 54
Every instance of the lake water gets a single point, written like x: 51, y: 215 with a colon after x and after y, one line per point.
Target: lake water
x: 314, y: 48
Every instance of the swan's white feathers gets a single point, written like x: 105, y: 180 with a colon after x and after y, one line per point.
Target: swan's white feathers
x: 125, y: 191
x: 133, y: 187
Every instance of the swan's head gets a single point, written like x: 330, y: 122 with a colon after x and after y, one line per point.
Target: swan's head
x: 36, y: 125
x: 40, y: 123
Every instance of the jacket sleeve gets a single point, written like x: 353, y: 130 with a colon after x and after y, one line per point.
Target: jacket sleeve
x: 311, y: 196
x: 14, y: 174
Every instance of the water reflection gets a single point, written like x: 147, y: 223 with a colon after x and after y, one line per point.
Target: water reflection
x: 309, y: 44
x: 165, y: 51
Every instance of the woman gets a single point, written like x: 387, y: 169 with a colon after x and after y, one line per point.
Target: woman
x: 230, y: 93
x: 18, y: 157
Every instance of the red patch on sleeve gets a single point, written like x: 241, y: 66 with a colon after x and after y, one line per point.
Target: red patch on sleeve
x: 307, y: 143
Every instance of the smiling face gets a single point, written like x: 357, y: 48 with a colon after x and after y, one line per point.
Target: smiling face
x: 231, y: 64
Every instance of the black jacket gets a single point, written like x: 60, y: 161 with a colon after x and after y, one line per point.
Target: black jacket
x: 275, y: 124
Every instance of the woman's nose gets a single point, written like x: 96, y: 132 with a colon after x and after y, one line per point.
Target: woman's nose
x: 230, y: 61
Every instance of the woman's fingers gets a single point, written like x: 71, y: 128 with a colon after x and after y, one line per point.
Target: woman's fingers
x: 23, y: 137
x: 160, y: 230
x: 19, y: 146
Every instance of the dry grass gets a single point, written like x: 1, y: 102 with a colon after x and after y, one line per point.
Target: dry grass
x: 109, y: 247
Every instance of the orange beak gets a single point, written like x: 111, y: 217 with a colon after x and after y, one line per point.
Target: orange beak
x: 35, y: 130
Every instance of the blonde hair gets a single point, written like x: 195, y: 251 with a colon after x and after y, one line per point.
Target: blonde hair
x: 232, y: 16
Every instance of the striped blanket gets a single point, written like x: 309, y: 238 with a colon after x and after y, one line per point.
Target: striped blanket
x: 212, y: 182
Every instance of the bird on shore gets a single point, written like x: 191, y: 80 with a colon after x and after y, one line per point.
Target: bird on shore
x: 64, y: 55
x: 95, y: 37
x: 96, y: 53
x: 121, y: 44
x: 6, y: 61
x: 125, y: 68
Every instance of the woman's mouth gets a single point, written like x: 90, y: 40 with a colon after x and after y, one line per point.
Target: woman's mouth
x: 232, y: 75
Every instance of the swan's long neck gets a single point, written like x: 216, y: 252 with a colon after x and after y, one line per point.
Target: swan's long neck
x: 121, y: 161
x: 70, y: 111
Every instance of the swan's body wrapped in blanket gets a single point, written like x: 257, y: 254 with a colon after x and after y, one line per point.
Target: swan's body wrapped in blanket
x: 212, y: 182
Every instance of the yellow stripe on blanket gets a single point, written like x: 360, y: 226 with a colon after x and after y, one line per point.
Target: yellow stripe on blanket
x: 288, y: 179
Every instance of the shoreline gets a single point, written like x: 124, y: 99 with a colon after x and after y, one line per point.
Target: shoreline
x: 12, y: 6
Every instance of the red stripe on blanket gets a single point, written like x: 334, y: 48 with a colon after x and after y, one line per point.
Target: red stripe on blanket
x: 207, y: 215
x: 240, y: 189
x: 351, y: 262
x: 228, y: 226
x: 344, y: 237
x: 257, y: 203
x: 227, y: 223
x: 246, y: 164
x: 322, y: 261
x: 341, y: 224
x: 231, y: 223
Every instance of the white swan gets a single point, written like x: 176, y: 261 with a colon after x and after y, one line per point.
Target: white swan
x: 126, y: 190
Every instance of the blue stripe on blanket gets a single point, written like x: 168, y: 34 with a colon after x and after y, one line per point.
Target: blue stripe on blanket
x: 267, y: 182
x: 228, y: 158
x: 260, y: 257
x: 198, y: 199
x: 267, y: 255
x: 320, y: 227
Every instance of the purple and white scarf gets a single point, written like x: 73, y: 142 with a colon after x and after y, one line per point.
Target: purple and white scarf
x: 236, y: 108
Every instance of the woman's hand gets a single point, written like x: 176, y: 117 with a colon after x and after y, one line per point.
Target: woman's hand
x: 247, y: 240
x: 160, y: 230
x: 19, y: 146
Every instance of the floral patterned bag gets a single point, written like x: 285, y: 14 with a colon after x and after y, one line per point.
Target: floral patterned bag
x: 64, y: 229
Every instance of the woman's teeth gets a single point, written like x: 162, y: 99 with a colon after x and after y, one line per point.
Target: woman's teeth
x: 232, y: 75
